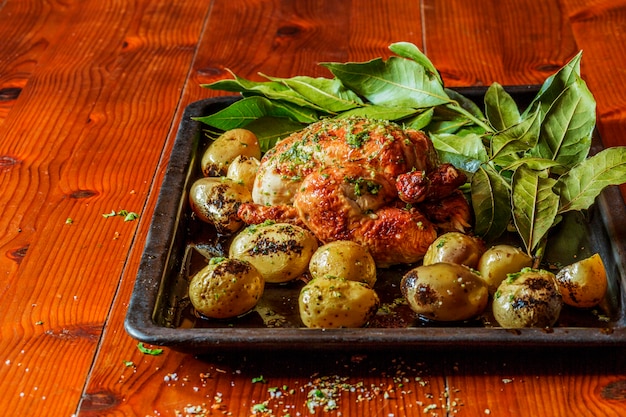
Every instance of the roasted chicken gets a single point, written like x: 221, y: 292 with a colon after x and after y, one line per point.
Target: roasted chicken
x: 363, y: 180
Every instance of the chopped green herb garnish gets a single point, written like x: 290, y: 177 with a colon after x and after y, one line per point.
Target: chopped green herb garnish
x: 363, y: 186
x: 356, y: 140
x: 127, y: 215
x: 216, y: 260
x: 259, y: 379
x: 296, y: 154
x: 130, y: 216
x: 147, y: 351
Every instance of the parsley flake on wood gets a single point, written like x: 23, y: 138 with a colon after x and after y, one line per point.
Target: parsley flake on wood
x: 128, y: 216
x: 259, y: 408
x: 148, y: 351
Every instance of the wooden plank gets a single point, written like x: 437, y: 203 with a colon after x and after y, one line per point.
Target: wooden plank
x: 27, y: 28
x: 293, y: 39
x: 510, y: 42
x: 83, y: 139
x: 547, y: 383
x: 287, y: 384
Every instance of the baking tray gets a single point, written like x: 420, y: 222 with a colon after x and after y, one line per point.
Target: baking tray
x: 159, y: 312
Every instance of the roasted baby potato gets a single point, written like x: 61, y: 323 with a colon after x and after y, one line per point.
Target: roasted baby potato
x: 280, y: 251
x: 216, y: 200
x: 455, y: 248
x: 225, y: 288
x: 223, y: 150
x: 327, y: 302
x: 529, y: 298
x: 583, y: 284
x: 344, y: 259
x: 445, y: 292
x: 243, y: 170
x: 499, y: 261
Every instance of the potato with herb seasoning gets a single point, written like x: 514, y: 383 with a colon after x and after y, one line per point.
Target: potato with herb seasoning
x: 529, y: 298
x: 226, y: 288
x: 344, y: 259
x: 280, y: 251
x: 583, y: 284
x: 456, y: 248
x: 329, y: 303
x: 216, y: 200
x: 243, y: 170
x: 445, y: 292
x: 223, y: 150
x: 500, y: 260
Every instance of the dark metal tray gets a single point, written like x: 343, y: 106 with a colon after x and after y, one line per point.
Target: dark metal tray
x: 160, y: 314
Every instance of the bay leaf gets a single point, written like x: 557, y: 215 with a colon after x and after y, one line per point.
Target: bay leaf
x: 491, y: 203
x: 269, y: 130
x: 537, y: 164
x: 447, y: 125
x: 379, y: 112
x: 420, y: 120
x: 555, y: 84
x: 464, y: 152
x: 248, y: 109
x: 329, y: 94
x: 500, y: 108
x: 516, y: 139
x: 534, y: 205
x: 458, y: 114
x: 567, y: 127
x: 411, y: 51
x: 579, y: 187
x: 272, y: 90
x: 459, y: 100
x: 395, y: 82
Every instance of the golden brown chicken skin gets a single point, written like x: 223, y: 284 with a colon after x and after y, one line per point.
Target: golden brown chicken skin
x: 361, y: 180
x: 378, y: 146
x: 340, y: 204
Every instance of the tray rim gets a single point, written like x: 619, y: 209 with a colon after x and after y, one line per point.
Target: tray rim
x: 139, y: 323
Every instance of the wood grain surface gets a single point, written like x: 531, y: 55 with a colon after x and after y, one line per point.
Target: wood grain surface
x: 91, y: 95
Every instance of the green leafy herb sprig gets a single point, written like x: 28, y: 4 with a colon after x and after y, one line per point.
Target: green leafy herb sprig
x: 526, y: 167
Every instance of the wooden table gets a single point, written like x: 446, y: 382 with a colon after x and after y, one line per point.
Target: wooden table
x: 91, y: 94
